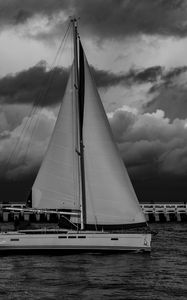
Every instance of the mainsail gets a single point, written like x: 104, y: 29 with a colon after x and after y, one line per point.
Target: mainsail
x: 57, y: 183
x: 109, y: 195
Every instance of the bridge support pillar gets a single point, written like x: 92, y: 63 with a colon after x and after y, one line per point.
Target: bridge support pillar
x: 157, y: 217
x: 37, y: 217
x: 5, y: 216
x: 167, y: 217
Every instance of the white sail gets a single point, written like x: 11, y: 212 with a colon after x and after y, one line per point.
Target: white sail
x: 110, y: 198
x: 57, y: 183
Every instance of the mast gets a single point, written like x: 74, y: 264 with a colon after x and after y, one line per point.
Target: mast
x: 79, y: 85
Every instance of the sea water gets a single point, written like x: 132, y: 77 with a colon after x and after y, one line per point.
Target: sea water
x: 162, y: 274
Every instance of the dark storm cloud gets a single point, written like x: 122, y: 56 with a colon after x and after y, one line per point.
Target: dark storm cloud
x: 44, y: 87
x: 124, y: 18
x: 173, y: 73
x: 167, y: 78
x: 36, y: 85
x: 103, y: 19
x: 150, y: 74
x: 41, y: 87
x: 18, y: 12
x: 144, y: 75
x: 106, y: 79
x: 158, y: 76
x: 150, y: 143
x: 170, y: 94
x: 154, y: 150
x: 172, y: 99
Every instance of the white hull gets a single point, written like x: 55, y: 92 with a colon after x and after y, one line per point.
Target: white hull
x: 73, y: 241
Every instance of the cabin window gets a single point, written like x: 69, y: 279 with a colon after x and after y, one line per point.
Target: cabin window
x: 14, y: 240
x: 114, y: 239
x: 71, y: 237
x: 62, y: 237
x: 81, y: 237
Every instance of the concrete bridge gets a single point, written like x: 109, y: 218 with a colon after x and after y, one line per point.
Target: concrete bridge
x: 157, y: 212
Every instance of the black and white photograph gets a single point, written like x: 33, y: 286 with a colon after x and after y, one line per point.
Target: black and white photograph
x: 93, y: 149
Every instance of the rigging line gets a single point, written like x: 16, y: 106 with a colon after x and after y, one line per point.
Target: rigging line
x: 75, y: 225
x: 51, y: 79
x: 52, y: 67
x: 33, y: 110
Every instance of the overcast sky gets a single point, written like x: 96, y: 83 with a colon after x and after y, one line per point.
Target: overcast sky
x: 137, y: 50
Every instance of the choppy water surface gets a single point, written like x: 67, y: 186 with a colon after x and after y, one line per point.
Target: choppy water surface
x: 160, y: 275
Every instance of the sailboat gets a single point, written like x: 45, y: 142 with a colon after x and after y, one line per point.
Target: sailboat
x: 83, y: 178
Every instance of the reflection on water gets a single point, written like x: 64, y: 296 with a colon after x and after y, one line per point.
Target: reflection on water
x: 159, y: 275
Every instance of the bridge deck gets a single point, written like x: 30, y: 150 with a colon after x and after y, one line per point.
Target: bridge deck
x: 154, y: 213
